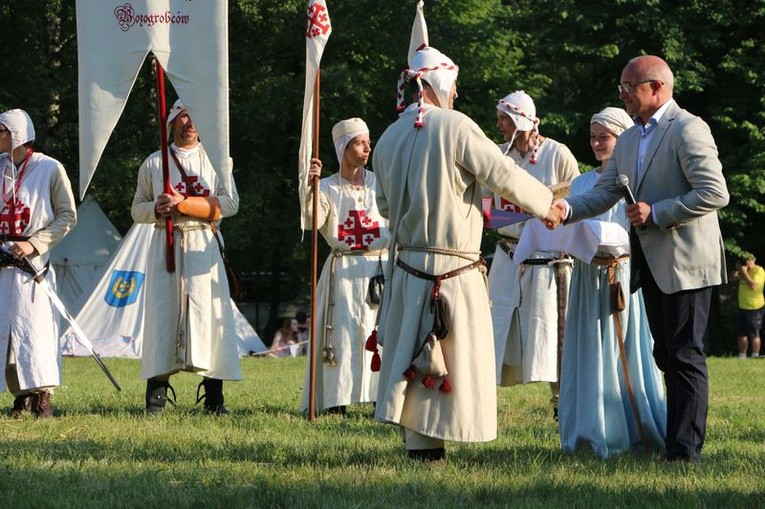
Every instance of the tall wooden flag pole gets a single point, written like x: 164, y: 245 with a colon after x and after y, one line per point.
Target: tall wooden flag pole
x: 314, y: 250
x: 162, y: 115
x: 317, y: 34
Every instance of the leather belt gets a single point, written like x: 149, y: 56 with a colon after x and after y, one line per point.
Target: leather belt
x: 608, y: 260
x: 431, y: 277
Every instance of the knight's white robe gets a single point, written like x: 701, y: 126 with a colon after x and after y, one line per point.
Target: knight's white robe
x: 358, y: 235
x: 45, y: 212
x: 189, y: 322
x: 429, y: 186
x: 524, y: 303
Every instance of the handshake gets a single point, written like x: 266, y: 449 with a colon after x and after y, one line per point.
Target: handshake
x: 556, y: 215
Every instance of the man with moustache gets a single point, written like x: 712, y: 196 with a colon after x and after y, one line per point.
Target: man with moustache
x: 189, y: 321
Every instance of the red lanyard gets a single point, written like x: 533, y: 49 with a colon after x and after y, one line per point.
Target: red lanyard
x: 12, y: 198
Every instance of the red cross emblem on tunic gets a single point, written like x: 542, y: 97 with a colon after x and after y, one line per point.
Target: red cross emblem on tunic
x: 318, y: 20
x: 358, y: 230
x: 190, y: 186
x: 14, y: 218
x: 508, y: 206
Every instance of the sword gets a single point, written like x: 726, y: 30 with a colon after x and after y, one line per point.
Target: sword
x: 38, y: 276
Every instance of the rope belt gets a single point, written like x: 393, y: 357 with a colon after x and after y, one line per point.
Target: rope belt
x: 185, y: 227
x: 377, y: 252
x: 328, y: 356
x: 468, y: 255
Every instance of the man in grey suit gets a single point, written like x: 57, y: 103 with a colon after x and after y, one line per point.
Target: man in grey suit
x: 670, y: 159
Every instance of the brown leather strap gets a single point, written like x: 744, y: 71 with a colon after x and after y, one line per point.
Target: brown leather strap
x: 608, y: 260
x: 430, y: 277
x: 189, y: 189
x: 625, y: 366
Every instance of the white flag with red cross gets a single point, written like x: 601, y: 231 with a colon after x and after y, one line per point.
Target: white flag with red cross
x: 190, y: 41
x: 419, y: 37
x: 318, y: 28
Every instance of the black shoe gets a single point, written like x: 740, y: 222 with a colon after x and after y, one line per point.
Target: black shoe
x: 156, y: 396
x: 555, y: 413
x: 213, y: 396
x: 336, y: 410
x: 427, y: 455
x: 21, y: 404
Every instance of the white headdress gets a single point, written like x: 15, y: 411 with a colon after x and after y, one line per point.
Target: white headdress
x: 344, y: 131
x: 519, y: 106
x: 615, y: 120
x: 437, y: 69
x: 20, y: 127
x: 177, y: 109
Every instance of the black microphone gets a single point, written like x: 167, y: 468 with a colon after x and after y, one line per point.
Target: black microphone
x: 624, y: 184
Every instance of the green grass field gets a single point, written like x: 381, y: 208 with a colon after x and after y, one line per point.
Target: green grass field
x: 101, y: 451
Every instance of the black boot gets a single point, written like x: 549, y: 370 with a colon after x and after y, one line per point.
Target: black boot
x: 427, y: 455
x: 213, y: 396
x: 156, y: 395
x: 21, y: 404
x: 40, y: 403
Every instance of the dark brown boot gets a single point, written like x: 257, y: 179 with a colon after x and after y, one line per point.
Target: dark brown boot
x: 21, y: 404
x: 41, y: 406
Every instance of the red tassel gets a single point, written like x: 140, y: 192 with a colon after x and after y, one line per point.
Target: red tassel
x: 371, y: 344
x: 376, y: 362
x: 410, y: 373
x: 446, y: 385
x: 429, y: 381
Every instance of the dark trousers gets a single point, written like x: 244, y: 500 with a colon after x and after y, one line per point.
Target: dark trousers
x: 678, y: 322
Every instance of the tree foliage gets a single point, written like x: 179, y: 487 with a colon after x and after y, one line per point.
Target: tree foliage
x: 566, y: 54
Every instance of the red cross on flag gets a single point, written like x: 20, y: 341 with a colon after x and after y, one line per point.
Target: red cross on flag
x: 318, y: 28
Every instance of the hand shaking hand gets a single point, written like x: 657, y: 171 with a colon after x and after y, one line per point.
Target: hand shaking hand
x: 556, y: 214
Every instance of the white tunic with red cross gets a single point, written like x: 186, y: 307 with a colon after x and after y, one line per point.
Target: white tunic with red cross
x: 37, y: 203
x: 189, y: 322
x: 351, y: 224
x: 528, y: 351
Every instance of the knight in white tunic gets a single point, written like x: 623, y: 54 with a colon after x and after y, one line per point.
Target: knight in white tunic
x: 358, y: 235
x: 437, y: 379
x: 189, y: 321
x: 38, y: 210
x: 528, y: 297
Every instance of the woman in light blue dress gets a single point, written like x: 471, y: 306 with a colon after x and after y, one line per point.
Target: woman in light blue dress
x: 608, y: 374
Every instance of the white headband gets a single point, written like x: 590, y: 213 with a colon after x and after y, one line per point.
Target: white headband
x: 519, y: 106
x: 615, y: 120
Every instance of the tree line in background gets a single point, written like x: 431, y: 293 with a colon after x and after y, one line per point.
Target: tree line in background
x: 567, y: 55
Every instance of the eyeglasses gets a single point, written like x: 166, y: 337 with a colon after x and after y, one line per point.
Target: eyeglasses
x: 626, y: 88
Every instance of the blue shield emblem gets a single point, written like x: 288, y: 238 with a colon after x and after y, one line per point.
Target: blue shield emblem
x: 123, y: 288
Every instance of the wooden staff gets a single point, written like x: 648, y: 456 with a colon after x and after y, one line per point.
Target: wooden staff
x: 162, y: 113
x: 314, y: 252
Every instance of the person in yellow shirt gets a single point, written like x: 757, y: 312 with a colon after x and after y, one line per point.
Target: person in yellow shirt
x: 751, y: 303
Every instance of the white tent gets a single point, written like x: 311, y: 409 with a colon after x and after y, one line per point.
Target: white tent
x: 112, y: 315
x: 80, y: 257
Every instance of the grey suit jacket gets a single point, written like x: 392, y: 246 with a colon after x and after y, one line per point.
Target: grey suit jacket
x: 682, y: 180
